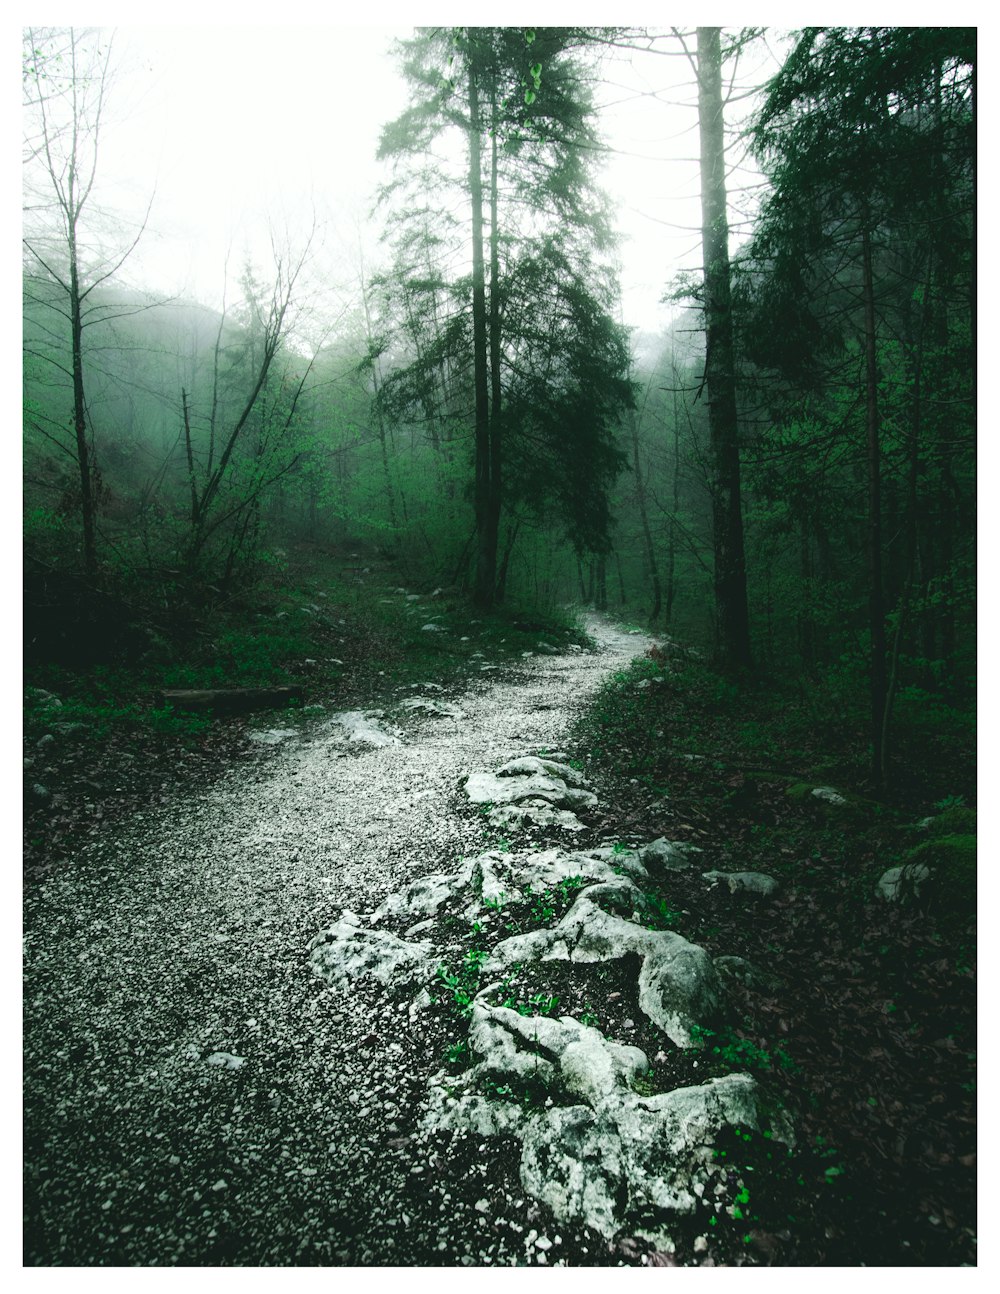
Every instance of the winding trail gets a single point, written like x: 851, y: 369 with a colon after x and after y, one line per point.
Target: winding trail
x: 194, y: 1095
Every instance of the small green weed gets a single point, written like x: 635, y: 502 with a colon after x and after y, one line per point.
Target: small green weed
x: 464, y: 982
x: 741, y: 1053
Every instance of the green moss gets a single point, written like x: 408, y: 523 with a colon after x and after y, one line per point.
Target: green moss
x: 953, y: 822
x: 952, y: 857
x: 951, y: 889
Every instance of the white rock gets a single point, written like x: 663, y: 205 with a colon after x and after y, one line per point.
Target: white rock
x: 345, y: 952
x: 224, y: 1060
x: 542, y: 766
x: 678, y: 984
x: 489, y: 788
x: 674, y: 855
x: 828, y: 794
x: 900, y: 883
x: 521, y: 817
x: 271, y: 736
x: 743, y: 882
x: 363, y: 729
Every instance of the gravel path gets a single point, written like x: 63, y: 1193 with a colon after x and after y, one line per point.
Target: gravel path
x: 194, y: 1095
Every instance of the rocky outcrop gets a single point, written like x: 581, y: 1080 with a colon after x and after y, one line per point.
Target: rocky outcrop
x: 594, y: 1150
x: 678, y: 985
x: 669, y: 855
x: 532, y: 790
x: 743, y: 882
x: 346, y: 951
x: 597, y: 1147
x: 362, y: 728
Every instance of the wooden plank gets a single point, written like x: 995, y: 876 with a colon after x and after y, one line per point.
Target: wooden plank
x: 230, y: 700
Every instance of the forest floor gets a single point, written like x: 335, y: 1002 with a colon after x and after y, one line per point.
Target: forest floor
x: 195, y: 1096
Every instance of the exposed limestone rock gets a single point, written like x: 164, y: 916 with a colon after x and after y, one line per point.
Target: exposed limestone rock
x: 497, y: 876
x: 743, y: 882
x: 533, y: 813
x: 483, y: 877
x: 634, y: 1156
x: 346, y: 951
x: 899, y: 884
x: 828, y: 795
x: 363, y: 730
x: 541, y: 766
x: 673, y: 855
x: 602, y: 1155
x: 272, y: 736
x: 437, y: 708
x: 491, y: 788
x: 678, y: 984
x: 550, y: 866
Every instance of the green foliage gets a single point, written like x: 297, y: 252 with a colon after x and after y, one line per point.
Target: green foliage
x: 463, y: 983
x: 734, y: 1052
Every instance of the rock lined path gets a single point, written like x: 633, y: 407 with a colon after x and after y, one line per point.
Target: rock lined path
x: 195, y: 1095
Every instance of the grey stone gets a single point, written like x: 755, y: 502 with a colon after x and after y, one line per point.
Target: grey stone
x: 605, y: 1156
x: 828, y: 795
x: 678, y: 984
x: 744, y: 882
x: 899, y: 884
x: 345, y: 952
x: 673, y: 855
x: 490, y: 788
x: 537, y: 813
x: 542, y: 766
x: 225, y: 1060
x: 362, y: 728
x: 271, y: 736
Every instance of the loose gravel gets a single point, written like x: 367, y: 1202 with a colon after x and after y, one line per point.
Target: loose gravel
x: 194, y: 1094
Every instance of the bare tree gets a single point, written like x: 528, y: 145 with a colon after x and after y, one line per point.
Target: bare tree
x: 270, y: 320
x: 66, y: 76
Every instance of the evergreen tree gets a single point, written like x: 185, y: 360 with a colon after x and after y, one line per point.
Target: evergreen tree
x: 532, y: 236
x: 858, y: 284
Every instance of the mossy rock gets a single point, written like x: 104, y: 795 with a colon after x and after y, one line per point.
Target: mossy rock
x: 830, y: 802
x: 951, y: 860
x: 953, y: 822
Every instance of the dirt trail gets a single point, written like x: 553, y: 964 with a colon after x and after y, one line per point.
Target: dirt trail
x: 195, y: 1095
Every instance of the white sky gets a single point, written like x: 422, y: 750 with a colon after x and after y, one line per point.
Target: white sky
x: 234, y: 125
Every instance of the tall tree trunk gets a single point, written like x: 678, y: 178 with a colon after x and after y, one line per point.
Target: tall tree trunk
x: 496, y: 432
x: 485, y: 551
x: 647, y: 534
x: 675, y: 503
x: 621, y: 578
x: 501, y: 590
x: 390, y: 493
x: 732, y: 615
x: 83, y: 454
x: 876, y: 596
x: 602, y: 583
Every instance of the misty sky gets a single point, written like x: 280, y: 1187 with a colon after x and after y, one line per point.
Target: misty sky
x: 234, y: 126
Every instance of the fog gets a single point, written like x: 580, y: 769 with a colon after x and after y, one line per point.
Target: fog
x: 228, y: 134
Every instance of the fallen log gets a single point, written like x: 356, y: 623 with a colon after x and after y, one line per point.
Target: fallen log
x: 230, y: 700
